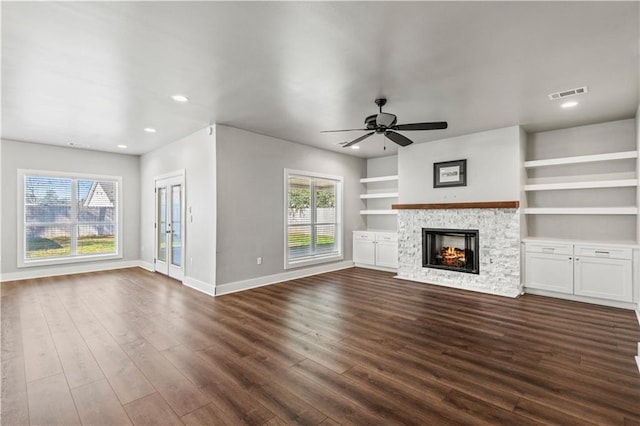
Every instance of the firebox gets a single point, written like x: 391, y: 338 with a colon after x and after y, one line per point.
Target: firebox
x: 451, y: 249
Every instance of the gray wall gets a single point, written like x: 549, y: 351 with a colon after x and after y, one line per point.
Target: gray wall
x: 250, y: 170
x: 196, y: 155
x: 22, y: 155
x: 493, y: 168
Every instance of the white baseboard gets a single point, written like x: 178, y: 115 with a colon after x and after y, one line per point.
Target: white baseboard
x: 78, y: 268
x: 377, y: 268
x: 148, y: 266
x: 201, y: 286
x: 584, y: 299
x: 277, y: 278
x: 638, y: 362
x: 638, y: 316
x: 511, y: 293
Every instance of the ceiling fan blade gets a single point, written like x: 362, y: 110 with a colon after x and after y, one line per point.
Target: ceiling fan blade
x: 360, y: 139
x: 436, y: 125
x: 398, y: 138
x: 345, y: 130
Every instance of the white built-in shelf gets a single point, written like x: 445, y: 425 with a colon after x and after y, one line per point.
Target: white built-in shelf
x: 378, y: 211
x: 379, y: 179
x: 583, y: 210
x: 617, y: 183
x: 379, y: 195
x: 582, y: 159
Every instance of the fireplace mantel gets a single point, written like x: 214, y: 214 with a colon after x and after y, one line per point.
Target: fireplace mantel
x: 471, y: 205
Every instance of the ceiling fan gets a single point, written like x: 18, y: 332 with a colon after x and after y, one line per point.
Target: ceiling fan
x: 383, y: 122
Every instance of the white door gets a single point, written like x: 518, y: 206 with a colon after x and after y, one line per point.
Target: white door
x: 170, y: 226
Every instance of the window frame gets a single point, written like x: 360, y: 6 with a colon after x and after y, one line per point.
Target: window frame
x: 339, y: 237
x: 23, y: 261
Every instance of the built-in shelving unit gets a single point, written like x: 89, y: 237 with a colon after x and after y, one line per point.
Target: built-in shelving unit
x: 582, y: 210
x: 379, y: 195
x: 379, y: 179
x: 581, y: 159
x: 613, y: 183
x: 591, y: 196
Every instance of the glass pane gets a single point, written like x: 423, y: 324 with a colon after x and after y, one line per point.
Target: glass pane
x: 96, y: 201
x: 325, y: 201
x: 299, y: 199
x: 47, y: 241
x: 47, y: 200
x: 299, y: 241
x: 162, y: 224
x: 176, y: 215
x: 325, y: 238
x: 96, y: 239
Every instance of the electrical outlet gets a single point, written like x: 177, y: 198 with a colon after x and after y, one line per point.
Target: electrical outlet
x: 191, y: 260
x: 259, y: 260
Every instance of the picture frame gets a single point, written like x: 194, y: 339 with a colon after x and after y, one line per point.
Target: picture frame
x: 448, y: 174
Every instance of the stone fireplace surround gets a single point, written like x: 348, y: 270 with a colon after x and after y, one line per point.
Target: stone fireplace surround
x: 499, y: 234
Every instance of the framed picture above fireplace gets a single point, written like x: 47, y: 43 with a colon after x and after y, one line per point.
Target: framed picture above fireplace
x: 450, y: 173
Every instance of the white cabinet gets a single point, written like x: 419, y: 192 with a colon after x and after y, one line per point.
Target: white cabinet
x: 580, y: 269
x: 549, y: 272
x: 603, y: 273
x: 364, y: 248
x: 375, y: 249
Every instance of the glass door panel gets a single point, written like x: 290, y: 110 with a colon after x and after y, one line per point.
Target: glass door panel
x: 162, y: 224
x: 176, y: 225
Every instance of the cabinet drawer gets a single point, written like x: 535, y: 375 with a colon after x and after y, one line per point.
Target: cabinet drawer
x: 386, y: 236
x: 603, y: 252
x: 549, y: 248
x: 363, y: 235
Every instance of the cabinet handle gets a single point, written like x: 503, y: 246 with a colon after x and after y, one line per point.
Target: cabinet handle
x: 577, y: 260
x: 569, y: 258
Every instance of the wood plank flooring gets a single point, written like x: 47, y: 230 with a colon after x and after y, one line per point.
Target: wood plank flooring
x: 349, y: 347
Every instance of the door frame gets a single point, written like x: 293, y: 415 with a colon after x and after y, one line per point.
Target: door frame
x: 179, y: 175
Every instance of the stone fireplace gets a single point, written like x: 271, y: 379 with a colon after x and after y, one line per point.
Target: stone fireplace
x: 497, y: 252
x: 451, y: 249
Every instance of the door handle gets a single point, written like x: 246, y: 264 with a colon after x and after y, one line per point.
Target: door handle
x: 167, y: 232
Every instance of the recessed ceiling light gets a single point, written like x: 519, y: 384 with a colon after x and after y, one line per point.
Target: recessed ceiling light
x: 180, y: 98
x: 355, y: 147
x: 569, y: 104
x: 149, y: 130
x: 122, y: 146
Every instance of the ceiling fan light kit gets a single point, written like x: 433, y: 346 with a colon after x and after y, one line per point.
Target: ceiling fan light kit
x: 385, y: 123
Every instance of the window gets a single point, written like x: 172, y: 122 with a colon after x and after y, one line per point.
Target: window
x: 313, y: 206
x: 67, y: 218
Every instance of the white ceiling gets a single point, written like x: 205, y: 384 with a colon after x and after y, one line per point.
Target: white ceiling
x: 97, y: 73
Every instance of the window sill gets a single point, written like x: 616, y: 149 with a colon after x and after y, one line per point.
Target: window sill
x: 315, y: 260
x: 66, y: 260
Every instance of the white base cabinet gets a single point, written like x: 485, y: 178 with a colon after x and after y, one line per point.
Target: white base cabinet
x: 592, y: 271
x: 375, y: 249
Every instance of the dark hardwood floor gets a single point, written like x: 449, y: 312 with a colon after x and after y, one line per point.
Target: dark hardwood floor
x: 349, y: 347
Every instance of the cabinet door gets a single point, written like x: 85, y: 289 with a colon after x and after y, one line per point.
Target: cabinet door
x: 363, y: 251
x: 549, y: 272
x: 387, y: 254
x: 603, y: 278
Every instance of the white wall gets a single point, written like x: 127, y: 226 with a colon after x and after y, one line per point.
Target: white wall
x: 22, y: 155
x: 493, y: 168
x: 251, y: 200
x: 196, y: 155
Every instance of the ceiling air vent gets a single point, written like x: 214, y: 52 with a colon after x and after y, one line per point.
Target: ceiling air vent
x: 567, y: 93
